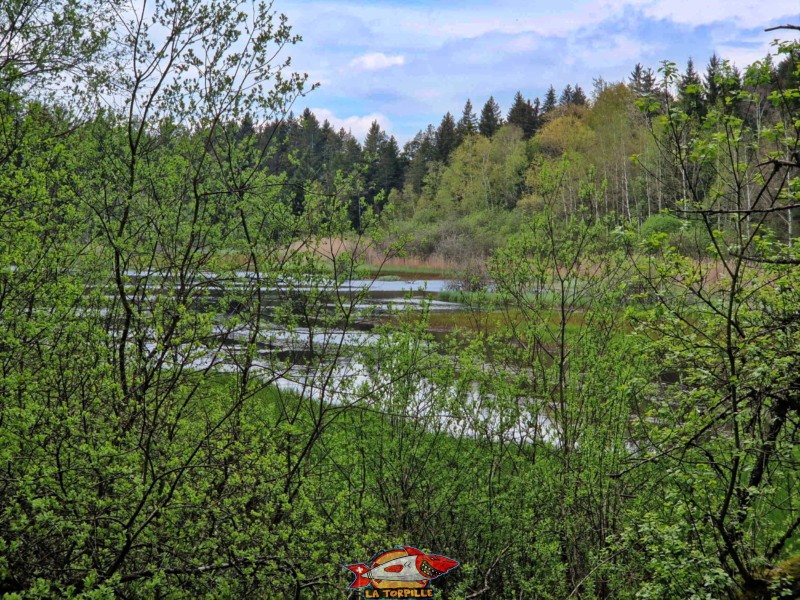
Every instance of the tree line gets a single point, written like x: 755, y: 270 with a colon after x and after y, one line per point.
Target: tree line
x: 566, y: 126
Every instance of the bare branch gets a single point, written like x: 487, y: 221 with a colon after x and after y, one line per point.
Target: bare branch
x: 776, y: 549
x: 737, y: 211
x: 795, y: 27
x: 771, y: 261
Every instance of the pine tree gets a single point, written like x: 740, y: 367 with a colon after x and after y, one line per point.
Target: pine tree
x: 518, y: 113
x: 388, y: 174
x: 636, y: 79
x: 247, y: 127
x: 468, y: 124
x: 648, y: 82
x: 419, y: 153
x: 374, y: 140
x: 550, y: 100
x: 491, y: 118
x: 446, y: 138
x: 536, y: 121
x: 691, y: 92
x: 642, y: 81
x: 310, y: 139
x: 523, y: 115
x: 373, y: 149
x: 578, y: 97
x: 334, y: 157
x: 566, y: 96
x: 713, y: 74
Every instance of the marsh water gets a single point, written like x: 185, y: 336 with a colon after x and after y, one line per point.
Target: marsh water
x: 330, y: 360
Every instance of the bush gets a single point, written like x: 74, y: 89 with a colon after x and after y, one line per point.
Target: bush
x: 690, y: 238
x: 661, y: 223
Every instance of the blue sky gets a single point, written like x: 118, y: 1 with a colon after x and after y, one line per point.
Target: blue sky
x: 406, y: 63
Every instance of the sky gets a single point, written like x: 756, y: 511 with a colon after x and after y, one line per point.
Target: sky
x: 405, y: 63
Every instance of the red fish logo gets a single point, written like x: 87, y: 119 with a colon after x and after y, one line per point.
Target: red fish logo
x: 404, y: 567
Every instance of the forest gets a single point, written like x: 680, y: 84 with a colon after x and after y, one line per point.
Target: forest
x: 217, y: 382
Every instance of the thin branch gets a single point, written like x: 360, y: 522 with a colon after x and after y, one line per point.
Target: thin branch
x: 795, y: 27
x: 770, y: 261
x: 738, y: 211
x: 792, y: 164
x: 784, y: 538
x: 486, y: 587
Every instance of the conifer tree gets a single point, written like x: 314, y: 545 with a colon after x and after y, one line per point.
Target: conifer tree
x: 648, y: 82
x: 246, y: 128
x: 566, y: 96
x: 419, y: 153
x: 374, y: 140
x: 524, y: 115
x: 446, y: 137
x: 307, y: 141
x: 536, y: 120
x: 712, y: 80
x: 373, y: 152
x: 389, y: 170
x: 491, y: 118
x: 636, y: 79
x: 642, y: 81
x: 468, y: 124
x: 516, y: 114
x: 691, y: 92
x: 550, y: 100
x: 578, y: 96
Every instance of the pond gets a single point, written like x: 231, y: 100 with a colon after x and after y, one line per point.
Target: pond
x: 326, y: 363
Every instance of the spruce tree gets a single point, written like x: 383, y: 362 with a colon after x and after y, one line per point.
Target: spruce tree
x: 373, y: 148
x: 648, y: 82
x: 636, y: 79
x: 446, y: 138
x: 523, y: 115
x: 518, y: 113
x: 691, y: 92
x: 419, y: 154
x: 374, y: 140
x: 712, y: 80
x: 331, y: 152
x: 247, y: 127
x: 566, y: 96
x: 536, y: 117
x: 550, y: 100
x: 491, y: 118
x: 578, y: 96
x: 468, y: 124
x: 389, y: 171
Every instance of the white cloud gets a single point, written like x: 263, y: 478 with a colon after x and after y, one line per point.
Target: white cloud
x: 412, y: 62
x: 610, y: 50
x: 375, y: 61
x: 358, y: 125
x: 743, y: 57
x: 522, y: 43
x: 741, y: 49
x: 746, y: 13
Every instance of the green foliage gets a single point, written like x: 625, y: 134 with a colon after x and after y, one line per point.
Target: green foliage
x: 663, y: 223
x: 720, y: 432
x: 181, y: 416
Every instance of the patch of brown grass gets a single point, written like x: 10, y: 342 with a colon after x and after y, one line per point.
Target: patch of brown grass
x: 374, y: 257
